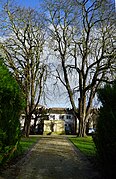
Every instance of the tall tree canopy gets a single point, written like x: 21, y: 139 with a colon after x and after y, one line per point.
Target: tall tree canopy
x: 23, y: 48
x: 80, y: 35
x: 82, y: 38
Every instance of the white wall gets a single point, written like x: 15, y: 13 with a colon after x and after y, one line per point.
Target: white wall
x: 66, y: 117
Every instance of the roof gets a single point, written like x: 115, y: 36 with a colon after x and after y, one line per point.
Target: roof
x: 60, y: 111
x: 40, y: 106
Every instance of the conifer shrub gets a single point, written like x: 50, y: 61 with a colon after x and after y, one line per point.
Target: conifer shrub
x: 11, y: 103
x: 105, y: 137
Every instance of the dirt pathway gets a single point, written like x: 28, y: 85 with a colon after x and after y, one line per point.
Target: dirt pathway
x: 54, y: 157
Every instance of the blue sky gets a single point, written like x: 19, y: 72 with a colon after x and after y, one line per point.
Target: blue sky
x: 30, y: 3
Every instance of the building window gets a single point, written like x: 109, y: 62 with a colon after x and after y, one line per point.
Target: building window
x: 61, y: 117
x: 52, y: 117
x: 68, y: 117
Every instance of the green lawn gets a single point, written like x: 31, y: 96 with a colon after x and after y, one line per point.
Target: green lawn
x: 27, y: 143
x: 85, y: 144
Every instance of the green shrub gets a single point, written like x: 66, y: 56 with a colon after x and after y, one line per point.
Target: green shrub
x: 11, y: 103
x: 105, y: 137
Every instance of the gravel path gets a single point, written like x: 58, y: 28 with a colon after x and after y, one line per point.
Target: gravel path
x: 55, y: 157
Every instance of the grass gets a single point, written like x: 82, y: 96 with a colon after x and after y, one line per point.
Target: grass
x: 27, y: 143
x: 85, y: 144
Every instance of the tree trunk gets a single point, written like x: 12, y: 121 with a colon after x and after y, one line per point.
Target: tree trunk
x: 35, y: 121
x: 80, y: 132
x: 82, y: 117
x: 28, y: 130
x: 82, y: 127
x: 25, y: 127
x: 75, y: 128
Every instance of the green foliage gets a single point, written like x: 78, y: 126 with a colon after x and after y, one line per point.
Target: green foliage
x: 85, y: 144
x: 105, y: 137
x: 11, y: 103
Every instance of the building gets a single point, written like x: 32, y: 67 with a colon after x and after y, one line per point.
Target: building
x: 51, y: 120
x: 37, y: 117
x: 60, y: 121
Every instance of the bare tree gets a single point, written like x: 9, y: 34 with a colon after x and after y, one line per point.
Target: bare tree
x: 82, y: 35
x: 23, y: 48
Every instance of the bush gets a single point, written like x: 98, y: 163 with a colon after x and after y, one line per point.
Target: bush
x: 11, y: 103
x: 105, y: 137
